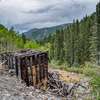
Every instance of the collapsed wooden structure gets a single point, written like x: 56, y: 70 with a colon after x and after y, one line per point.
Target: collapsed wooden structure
x: 30, y: 66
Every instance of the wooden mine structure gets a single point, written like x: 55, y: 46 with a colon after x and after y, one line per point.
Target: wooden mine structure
x: 30, y: 66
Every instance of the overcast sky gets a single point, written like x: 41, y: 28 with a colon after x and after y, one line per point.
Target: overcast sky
x: 27, y: 14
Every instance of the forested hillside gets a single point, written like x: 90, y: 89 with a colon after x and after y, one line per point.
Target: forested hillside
x: 75, y: 44
x: 11, y: 40
x: 42, y: 33
x: 79, y: 42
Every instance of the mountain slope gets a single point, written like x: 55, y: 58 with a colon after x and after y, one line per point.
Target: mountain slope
x: 39, y: 34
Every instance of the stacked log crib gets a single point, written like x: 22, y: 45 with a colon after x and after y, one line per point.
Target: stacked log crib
x: 30, y: 66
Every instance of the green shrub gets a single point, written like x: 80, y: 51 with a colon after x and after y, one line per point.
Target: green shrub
x: 31, y: 45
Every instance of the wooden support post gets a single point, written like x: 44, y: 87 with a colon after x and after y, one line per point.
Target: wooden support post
x: 31, y: 63
x: 34, y: 75
x: 16, y: 66
x: 19, y: 68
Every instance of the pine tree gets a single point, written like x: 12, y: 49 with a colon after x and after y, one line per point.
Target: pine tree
x: 52, y: 48
x: 76, y: 47
x: 67, y: 46
x: 61, y: 45
x: 56, y: 45
x: 98, y: 31
x: 23, y: 38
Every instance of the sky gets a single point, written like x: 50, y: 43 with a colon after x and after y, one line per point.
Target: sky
x: 27, y: 14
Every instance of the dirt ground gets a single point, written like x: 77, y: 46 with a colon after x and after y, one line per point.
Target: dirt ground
x: 11, y: 88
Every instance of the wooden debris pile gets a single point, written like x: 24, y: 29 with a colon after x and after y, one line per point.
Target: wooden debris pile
x: 60, y: 87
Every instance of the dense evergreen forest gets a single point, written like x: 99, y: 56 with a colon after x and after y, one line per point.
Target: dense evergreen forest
x: 79, y: 42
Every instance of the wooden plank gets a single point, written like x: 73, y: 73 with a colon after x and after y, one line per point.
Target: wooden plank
x: 16, y: 66
x: 34, y: 75
x: 31, y: 63
x: 19, y: 67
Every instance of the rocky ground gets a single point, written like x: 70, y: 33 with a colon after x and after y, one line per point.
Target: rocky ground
x: 11, y: 88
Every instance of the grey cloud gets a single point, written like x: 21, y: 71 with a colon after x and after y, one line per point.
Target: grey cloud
x: 41, y: 10
x: 43, y: 13
x: 54, y: 13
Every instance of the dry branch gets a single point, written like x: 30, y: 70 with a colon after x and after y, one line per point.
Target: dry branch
x: 59, y: 87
